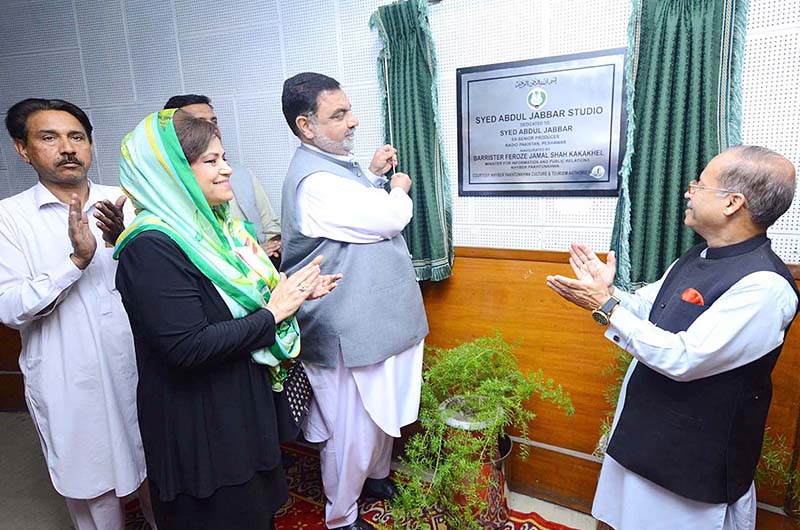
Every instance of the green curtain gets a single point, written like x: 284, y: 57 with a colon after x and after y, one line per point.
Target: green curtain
x: 410, y: 108
x: 684, y: 107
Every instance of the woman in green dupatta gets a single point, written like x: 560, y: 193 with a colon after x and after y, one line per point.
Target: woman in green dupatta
x: 214, y: 332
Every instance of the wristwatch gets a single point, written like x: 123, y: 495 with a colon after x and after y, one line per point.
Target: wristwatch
x: 602, y: 314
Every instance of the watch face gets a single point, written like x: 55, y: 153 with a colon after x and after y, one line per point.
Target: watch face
x: 600, y: 317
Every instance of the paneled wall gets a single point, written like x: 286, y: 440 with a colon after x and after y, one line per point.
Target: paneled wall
x: 11, y: 397
x: 122, y: 59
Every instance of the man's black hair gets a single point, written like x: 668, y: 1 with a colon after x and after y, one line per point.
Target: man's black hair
x: 300, y: 94
x: 17, y: 116
x: 176, y: 102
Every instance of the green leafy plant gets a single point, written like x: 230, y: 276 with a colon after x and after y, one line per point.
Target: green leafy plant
x: 774, y: 469
x: 485, y: 390
x: 618, y: 368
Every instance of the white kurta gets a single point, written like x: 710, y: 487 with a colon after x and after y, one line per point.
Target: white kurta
x: 337, y: 208
x: 77, y: 349
x: 356, y: 411
x: 745, y: 323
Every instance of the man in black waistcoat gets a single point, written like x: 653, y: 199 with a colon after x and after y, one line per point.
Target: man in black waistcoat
x: 690, y: 419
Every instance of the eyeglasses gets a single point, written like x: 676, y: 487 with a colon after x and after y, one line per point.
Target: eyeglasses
x: 694, y: 186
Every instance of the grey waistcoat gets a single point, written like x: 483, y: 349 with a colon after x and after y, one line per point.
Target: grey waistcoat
x: 376, y: 311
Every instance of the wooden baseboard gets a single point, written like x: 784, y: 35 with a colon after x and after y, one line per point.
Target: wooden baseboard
x: 11, y: 392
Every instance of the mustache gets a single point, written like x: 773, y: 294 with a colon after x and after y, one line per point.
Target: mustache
x: 69, y: 159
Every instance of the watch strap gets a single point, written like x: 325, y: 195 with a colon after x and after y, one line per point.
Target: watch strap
x: 609, y: 305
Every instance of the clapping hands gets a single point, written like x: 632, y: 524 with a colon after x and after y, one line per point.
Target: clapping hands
x: 111, y: 219
x: 305, y: 284
x: 593, y: 281
x: 80, y: 235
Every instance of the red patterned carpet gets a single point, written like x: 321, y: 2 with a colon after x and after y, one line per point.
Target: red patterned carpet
x: 305, y: 509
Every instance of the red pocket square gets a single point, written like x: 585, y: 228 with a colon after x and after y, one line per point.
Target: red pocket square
x: 692, y: 296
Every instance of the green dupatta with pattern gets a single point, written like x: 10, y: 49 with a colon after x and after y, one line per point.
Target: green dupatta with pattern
x: 156, y: 176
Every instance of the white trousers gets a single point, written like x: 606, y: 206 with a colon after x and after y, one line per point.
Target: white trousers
x: 107, y: 512
x: 352, y: 446
x: 627, y: 501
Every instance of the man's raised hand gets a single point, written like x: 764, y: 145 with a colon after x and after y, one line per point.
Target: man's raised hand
x: 80, y: 235
x: 580, y: 256
x: 384, y: 159
x: 111, y: 219
x: 400, y: 180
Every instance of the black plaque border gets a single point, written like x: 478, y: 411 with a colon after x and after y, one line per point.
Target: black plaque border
x: 554, y: 191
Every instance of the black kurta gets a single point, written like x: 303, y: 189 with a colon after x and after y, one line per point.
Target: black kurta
x: 206, y: 412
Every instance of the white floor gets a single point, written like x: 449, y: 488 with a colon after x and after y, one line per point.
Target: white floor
x: 27, y: 498
x: 551, y: 512
x: 29, y: 502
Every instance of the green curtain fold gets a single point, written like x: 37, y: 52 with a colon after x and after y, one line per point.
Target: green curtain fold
x: 407, y: 63
x: 684, y: 107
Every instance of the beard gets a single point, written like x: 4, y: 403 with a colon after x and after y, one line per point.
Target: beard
x: 343, y: 147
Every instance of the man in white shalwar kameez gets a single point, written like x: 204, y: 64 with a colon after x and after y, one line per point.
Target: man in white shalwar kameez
x: 363, y: 348
x: 687, y: 432
x: 57, y: 289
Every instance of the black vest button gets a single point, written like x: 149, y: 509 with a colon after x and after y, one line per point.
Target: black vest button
x: 663, y: 305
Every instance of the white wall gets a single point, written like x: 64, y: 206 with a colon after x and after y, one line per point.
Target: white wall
x: 771, y: 99
x: 121, y: 59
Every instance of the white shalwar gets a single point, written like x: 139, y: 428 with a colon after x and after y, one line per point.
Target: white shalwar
x: 77, y: 354
x: 356, y: 411
x: 745, y: 323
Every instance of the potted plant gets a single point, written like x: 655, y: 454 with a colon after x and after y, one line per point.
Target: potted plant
x: 471, y: 394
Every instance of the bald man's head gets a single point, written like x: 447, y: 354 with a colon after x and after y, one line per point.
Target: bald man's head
x: 764, y: 177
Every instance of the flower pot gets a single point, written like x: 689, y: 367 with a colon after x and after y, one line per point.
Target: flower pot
x: 491, y: 476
